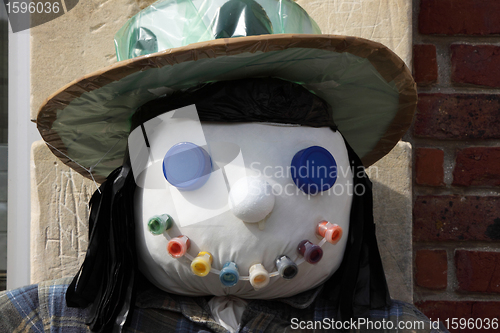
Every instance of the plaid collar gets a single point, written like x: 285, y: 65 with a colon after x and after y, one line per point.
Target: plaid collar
x: 197, y: 309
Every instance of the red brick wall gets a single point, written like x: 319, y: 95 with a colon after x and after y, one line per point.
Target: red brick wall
x: 456, y: 138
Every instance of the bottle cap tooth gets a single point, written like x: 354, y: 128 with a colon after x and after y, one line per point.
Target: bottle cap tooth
x: 334, y: 234
x: 259, y: 276
x: 202, y: 264
x: 158, y: 224
x: 178, y: 246
x: 287, y: 268
x: 229, y: 275
x: 312, y: 253
x: 322, y: 228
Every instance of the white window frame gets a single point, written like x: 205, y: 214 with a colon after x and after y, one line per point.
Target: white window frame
x: 22, y: 133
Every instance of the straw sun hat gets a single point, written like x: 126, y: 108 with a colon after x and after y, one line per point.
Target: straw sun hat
x: 175, y: 45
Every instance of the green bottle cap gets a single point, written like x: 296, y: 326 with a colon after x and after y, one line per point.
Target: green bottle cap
x: 158, y: 224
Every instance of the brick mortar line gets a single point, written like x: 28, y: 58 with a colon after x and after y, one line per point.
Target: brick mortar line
x: 449, y: 164
x: 456, y: 39
x: 443, y: 59
x: 452, y: 270
x: 415, y: 10
x: 478, y: 191
x: 421, y: 294
x: 480, y: 246
x: 457, y: 89
x: 454, y: 143
x: 455, y: 294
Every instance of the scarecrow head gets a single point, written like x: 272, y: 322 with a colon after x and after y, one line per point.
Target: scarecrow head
x: 231, y: 139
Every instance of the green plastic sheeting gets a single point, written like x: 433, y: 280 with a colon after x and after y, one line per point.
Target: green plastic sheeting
x: 175, y: 23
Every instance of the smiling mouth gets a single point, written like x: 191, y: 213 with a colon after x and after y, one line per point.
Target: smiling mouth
x: 258, y: 275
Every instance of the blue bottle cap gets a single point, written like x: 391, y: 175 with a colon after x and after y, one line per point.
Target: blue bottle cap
x: 314, y: 170
x: 187, y: 166
x: 229, y: 275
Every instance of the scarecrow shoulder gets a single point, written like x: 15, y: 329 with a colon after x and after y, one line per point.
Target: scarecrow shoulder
x: 39, y: 308
x: 19, y: 310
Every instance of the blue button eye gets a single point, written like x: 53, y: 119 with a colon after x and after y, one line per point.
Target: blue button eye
x: 314, y: 170
x: 187, y: 166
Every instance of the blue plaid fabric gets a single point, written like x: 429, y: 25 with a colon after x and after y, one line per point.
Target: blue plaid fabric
x: 42, y: 308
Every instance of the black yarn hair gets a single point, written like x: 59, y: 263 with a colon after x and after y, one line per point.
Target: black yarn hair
x: 246, y: 100
x: 105, y: 280
x: 359, y: 283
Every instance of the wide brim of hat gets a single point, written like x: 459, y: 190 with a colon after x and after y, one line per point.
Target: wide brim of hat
x: 369, y: 88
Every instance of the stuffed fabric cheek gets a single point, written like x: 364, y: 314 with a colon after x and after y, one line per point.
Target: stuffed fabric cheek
x: 293, y: 219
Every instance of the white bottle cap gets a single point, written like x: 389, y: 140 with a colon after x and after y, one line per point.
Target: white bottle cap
x: 259, y: 276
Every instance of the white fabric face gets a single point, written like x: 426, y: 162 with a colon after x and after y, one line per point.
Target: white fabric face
x: 264, y: 151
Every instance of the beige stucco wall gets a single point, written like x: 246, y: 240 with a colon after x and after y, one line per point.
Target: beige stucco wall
x: 63, y: 50
x: 81, y: 41
x: 384, y: 21
x: 392, y: 211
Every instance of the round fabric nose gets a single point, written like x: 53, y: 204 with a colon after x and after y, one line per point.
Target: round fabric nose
x: 314, y: 170
x: 251, y: 199
x: 187, y: 166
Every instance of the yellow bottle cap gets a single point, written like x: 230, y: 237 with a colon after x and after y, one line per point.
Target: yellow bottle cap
x: 202, y: 264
